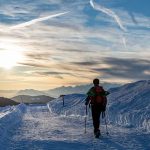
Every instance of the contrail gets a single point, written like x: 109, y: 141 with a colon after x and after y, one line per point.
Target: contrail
x: 28, y: 23
x: 113, y: 15
x: 108, y: 12
x: 124, y: 42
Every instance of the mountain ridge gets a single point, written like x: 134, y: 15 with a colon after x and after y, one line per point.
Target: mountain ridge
x: 55, y: 92
x: 27, y: 99
x: 6, y: 101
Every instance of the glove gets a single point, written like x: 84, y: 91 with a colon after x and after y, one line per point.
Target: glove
x: 106, y: 93
x: 103, y: 108
x: 86, y: 103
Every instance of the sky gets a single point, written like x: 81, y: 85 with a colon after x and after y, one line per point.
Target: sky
x: 50, y: 43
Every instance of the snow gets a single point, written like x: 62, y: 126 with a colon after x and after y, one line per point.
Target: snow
x: 9, y: 117
x: 57, y: 127
x: 131, y: 105
x: 73, y: 105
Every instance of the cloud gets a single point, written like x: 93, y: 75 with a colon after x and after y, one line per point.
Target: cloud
x: 86, y: 63
x: 76, y: 50
x: 38, y: 55
x: 134, y: 69
x: 124, y: 42
x: 32, y: 64
x: 59, y: 75
x: 50, y: 73
x: 133, y: 17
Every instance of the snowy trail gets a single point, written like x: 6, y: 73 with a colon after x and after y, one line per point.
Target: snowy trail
x: 42, y: 130
x: 122, y: 139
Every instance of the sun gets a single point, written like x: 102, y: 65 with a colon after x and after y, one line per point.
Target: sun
x: 10, y: 57
x: 12, y: 53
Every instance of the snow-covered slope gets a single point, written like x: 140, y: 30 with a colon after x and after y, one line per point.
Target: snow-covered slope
x: 73, y: 105
x: 129, y: 105
x: 9, y: 117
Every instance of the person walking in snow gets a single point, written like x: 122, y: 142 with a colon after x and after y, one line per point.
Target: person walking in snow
x: 96, y: 97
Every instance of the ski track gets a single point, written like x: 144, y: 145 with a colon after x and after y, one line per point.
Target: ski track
x: 42, y: 130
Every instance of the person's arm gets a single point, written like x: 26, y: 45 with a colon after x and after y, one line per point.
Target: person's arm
x: 89, y: 94
x: 87, y: 100
x: 105, y: 94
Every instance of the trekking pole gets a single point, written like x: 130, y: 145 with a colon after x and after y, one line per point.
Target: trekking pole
x: 106, y: 125
x: 85, y: 118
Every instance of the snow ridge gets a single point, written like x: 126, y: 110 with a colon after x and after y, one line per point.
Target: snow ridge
x: 130, y: 105
x: 73, y: 105
x: 9, y: 117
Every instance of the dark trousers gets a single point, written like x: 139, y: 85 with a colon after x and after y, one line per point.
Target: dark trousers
x: 96, y: 112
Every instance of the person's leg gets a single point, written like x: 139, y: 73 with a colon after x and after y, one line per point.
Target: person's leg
x: 96, y: 118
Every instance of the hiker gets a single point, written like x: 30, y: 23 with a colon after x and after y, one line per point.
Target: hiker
x: 96, y: 97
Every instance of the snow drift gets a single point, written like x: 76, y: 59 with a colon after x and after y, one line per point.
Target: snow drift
x: 73, y: 105
x: 129, y: 105
x: 9, y: 117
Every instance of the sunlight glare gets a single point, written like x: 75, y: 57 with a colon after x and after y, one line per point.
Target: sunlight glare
x: 10, y: 58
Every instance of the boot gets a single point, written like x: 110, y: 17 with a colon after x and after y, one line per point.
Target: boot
x: 97, y: 133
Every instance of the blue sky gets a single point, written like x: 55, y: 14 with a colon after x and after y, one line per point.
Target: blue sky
x: 50, y: 43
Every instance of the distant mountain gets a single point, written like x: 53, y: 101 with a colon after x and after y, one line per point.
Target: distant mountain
x: 56, y: 92
x: 6, y: 102
x: 30, y: 92
x: 42, y: 99
x: 81, y: 89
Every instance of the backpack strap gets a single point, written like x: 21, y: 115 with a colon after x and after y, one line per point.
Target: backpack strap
x: 91, y: 92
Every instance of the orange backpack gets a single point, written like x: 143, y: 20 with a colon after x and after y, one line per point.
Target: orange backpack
x: 99, y: 96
